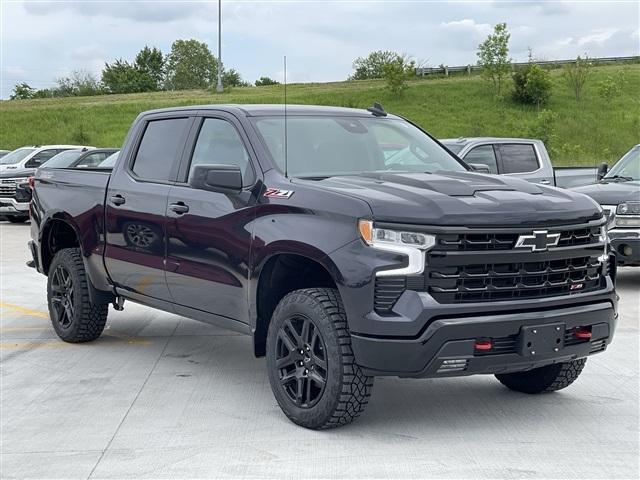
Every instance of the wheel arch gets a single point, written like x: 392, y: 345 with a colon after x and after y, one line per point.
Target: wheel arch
x: 279, y: 274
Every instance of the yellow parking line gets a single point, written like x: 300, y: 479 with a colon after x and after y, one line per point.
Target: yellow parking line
x: 39, y: 314
x: 26, y: 311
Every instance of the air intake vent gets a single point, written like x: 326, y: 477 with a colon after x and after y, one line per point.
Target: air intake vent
x: 598, y: 346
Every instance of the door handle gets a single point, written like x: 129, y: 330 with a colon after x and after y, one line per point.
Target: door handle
x: 179, y: 208
x: 117, y: 199
x: 544, y: 182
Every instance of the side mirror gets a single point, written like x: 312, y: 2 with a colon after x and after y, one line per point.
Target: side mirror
x: 217, y: 178
x: 479, y: 167
x: 33, y: 164
x: 603, y: 168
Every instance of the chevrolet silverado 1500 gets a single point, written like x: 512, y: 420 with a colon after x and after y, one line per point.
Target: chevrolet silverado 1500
x: 302, y: 231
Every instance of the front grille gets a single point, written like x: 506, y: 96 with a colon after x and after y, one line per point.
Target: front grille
x: 507, y: 241
x: 7, y: 188
x: 486, y: 267
x: 509, y: 281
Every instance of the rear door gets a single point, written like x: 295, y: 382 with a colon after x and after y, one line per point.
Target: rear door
x: 209, y: 233
x: 522, y: 160
x: 136, y: 204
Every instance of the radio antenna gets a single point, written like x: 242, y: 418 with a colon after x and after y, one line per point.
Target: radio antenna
x: 286, y: 153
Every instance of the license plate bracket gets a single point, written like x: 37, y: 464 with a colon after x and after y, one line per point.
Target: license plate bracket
x: 541, y: 339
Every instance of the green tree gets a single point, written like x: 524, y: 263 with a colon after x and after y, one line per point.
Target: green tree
x: 396, y: 74
x: 493, y: 57
x: 123, y: 77
x: 372, y: 66
x: 232, y: 78
x: 79, y: 84
x: 22, y: 91
x: 150, y: 62
x: 190, y: 65
x: 576, y: 74
x: 532, y: 85
x: 264, y: 81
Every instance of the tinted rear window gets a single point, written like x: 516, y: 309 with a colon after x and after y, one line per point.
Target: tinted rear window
x: 518, y: 158
x: 160, y: 149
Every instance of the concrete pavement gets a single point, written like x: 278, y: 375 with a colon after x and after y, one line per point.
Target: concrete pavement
x: 160, y: 396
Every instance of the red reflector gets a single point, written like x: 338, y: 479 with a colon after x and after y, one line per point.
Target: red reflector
x: 582, y: 334
x: 483, y: 345
x: 31, y: 182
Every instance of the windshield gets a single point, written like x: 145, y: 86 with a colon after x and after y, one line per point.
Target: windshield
x: 63, y: 159
x: 628, y: 166
x: 325, y: 146
x: 109, y: 162
x: 15, y: 156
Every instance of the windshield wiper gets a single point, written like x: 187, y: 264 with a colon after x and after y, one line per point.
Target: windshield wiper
x: 315, y: 177
x: 617, y: 178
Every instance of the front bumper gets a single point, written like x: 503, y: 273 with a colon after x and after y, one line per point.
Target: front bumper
x: 10, y: 206
x: 448, y: 342
x: 626, y: 245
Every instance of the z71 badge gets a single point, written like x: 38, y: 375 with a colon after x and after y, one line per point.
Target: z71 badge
x: 278, y: 193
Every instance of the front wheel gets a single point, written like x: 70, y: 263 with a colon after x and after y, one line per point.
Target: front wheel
x: 544, y: 379
x: 73, y: 316
x: 310, y: 362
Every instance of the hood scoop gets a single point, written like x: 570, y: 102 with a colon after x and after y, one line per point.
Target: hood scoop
x: 454, y: 184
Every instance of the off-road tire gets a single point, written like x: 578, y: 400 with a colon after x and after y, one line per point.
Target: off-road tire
x: 544, y: 379
x: 347, y: 389
x: 88, y: 319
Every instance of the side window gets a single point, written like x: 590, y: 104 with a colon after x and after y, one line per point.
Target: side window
x: 40, y: 158
x: 160, y: 149
x: 485, y: 155
x: 92, y: 159
x: 518, y: 158
x: 219, y: 143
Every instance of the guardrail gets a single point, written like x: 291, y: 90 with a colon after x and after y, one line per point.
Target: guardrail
x: 446, y: 70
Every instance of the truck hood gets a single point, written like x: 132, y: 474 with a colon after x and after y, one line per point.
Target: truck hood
x: 17, y: 173
x: 613, y: 193
x: 464, y: 199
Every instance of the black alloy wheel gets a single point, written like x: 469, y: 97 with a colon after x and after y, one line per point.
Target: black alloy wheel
x: 301, y: 361
x: 62, y: 297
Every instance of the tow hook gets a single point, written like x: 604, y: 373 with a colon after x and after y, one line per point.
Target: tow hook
x: 118, y: 304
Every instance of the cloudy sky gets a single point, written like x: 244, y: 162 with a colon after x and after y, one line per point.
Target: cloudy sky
x: 44, y: 40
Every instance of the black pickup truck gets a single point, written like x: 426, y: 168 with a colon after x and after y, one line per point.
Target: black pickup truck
x: 301, y: 230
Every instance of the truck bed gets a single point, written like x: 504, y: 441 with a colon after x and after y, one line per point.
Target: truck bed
x: 569, y: 177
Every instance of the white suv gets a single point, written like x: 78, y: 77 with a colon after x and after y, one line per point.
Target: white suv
x: 32, y: 157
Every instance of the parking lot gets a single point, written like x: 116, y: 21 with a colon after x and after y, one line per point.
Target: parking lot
x: 160, y: 396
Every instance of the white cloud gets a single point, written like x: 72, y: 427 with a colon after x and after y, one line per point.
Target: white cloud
x: 597, y: 36
x: 467, y: 25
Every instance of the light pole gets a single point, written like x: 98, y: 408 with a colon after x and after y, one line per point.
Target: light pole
x: 219, y: 87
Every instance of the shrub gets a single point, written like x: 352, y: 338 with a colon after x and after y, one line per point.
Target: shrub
x: 265, y: 81
x: 396, y: 74
x: 22, y: 91
x: 544, y: 128
x: 612, y: 86
x: 532, y: 85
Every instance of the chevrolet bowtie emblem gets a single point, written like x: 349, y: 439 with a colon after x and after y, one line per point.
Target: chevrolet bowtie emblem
x: 540, y: 241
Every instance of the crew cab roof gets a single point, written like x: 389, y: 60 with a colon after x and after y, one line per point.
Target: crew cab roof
x: 466, y: 140
x: 259, y: 110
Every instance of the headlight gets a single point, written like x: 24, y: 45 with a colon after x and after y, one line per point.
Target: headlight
x: 629, y: 208
x: 412, y: 244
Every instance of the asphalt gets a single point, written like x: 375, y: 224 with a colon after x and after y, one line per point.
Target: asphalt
x: 160, y: 396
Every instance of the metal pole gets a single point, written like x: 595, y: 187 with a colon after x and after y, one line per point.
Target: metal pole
x: 219, y: 87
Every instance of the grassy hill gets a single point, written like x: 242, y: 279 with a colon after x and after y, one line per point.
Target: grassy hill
x: 583, y: 133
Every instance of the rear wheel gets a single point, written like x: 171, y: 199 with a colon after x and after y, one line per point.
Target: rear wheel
x: 310, y: 362
x: 544, y: 379
x: 73, y: 316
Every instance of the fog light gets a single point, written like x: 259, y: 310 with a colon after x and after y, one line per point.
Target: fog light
x: 625, y: 250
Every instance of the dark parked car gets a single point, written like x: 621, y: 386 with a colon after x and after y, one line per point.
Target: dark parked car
x: 618, y: 191
x: 85, y: 158
x: 340, y: 264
